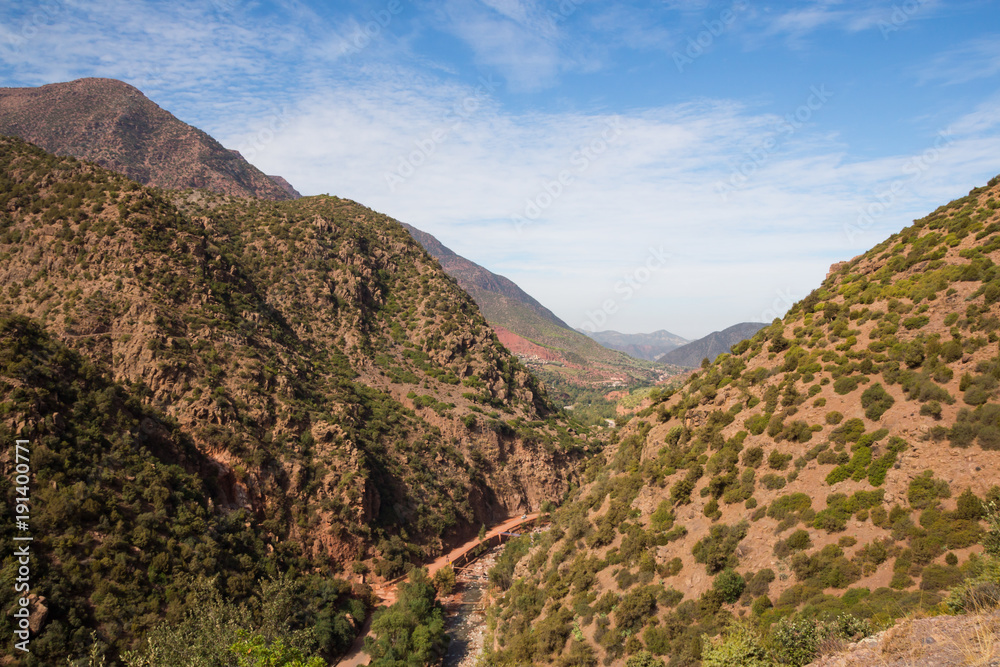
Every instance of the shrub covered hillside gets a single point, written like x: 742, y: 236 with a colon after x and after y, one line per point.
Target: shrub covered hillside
x: 838, y: 462
x: 344, y: 397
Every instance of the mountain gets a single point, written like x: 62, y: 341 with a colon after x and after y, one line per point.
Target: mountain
x: 711, y: 346
x: 829, y: 475
x: 218, y: 391
x: 286, y: 186
x: 642, y: 346
x: 551, y: 347
x: 113, y: 124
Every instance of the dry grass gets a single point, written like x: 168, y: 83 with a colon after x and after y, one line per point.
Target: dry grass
x: 980, y: 644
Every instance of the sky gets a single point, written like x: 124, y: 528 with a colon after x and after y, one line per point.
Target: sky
x: 634, y: 166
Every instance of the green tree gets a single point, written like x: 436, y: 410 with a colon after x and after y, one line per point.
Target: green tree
x: 254, y: 651
x: 410, y: 633
x: 444, y: 580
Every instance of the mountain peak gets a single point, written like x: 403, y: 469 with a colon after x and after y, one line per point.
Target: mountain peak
x: 114, y: 124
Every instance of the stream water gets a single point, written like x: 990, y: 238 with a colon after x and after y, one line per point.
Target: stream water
x: 466, y: 617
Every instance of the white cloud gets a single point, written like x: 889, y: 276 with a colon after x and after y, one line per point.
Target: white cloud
x: 653, y: 184
x: 286, y: 92
x: 885, y: 15
x: 978, y: 59
x: 521, y: 39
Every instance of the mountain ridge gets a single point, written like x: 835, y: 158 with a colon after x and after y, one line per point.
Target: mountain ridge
x: 547, y: 344
x: 115, y: 125
x: 691, y: 354
x: 648, y: 346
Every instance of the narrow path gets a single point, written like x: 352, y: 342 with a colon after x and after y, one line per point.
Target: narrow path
x: 387, y: 592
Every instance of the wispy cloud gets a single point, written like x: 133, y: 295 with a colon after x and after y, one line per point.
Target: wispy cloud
x: 286, y: 80
x: 845, y: 15
x: 520, y: 38
x: 653, y: 185
x: 978, y: 59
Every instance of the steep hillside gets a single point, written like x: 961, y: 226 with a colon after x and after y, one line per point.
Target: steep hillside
x: 113, y: 124
x: 711, y: 346
x: 567, y: 356
x: 335, y: 389
x: 642, y: 346
x: 837, y: 462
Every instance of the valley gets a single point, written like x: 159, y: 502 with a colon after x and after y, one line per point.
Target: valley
x: 271, y: 425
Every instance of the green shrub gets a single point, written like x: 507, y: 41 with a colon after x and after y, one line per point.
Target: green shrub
x: 729, y: 584
x: 772, y: 481
x: 796, y: 642
x: 778, y: 461
x: 739, y: 645
x: 924, y: 491
x: 938, y: 577
x: 876, y: 401
x: 757, y: 423
x: 789, y: 504
x: 931, y: 409
x: 753, y: 457
x: 980, y: 590
x: 849, y: 431
x: 640, y: 659
x: 846, y: 384
x: 716, y: 550
x: 834, y: 418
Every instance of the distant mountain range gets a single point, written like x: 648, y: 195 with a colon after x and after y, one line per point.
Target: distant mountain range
x: 113, y: 124
x: 711, y: 346
x: 649, y: 346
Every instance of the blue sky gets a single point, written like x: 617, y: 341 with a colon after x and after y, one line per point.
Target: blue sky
x: 634, y: 166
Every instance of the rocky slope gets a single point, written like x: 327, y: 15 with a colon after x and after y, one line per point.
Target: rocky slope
x: 113, y: 124
x: 838, y: 462
x: 711, y: 346
x: 568, y: 356
x: 336, y: 390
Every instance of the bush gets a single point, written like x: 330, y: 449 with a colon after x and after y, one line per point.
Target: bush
x: 789, y: 504
x: 931, y: 409
x: 716, y: 550
x: 753, y: 457
x: 796, y: 642
x: 737, y: 645
x: 635, y: 607
x: 834, y: 418
x: 980, y: 591
x: 876, y: 401
x: 925, y: 491
x: 729, y: 584
x: 778, y: 461
x: 773, y: 482
x: 938, y: 577
x: 642, y: 659
x: 444, y: 580
x: 757, y: 423
x: 846, y: 384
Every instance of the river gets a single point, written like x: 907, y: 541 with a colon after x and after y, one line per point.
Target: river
x: 466, y: 617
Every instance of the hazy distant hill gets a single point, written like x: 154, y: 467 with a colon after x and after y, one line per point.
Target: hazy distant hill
x: 710, y: 346
x: 649, y: 346
x: 530, y: 329
x: 113, y: 124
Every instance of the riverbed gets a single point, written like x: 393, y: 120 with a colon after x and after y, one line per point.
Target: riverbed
x: 466, y: 615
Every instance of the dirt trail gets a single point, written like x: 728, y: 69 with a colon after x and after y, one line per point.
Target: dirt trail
x: 387, y: 592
